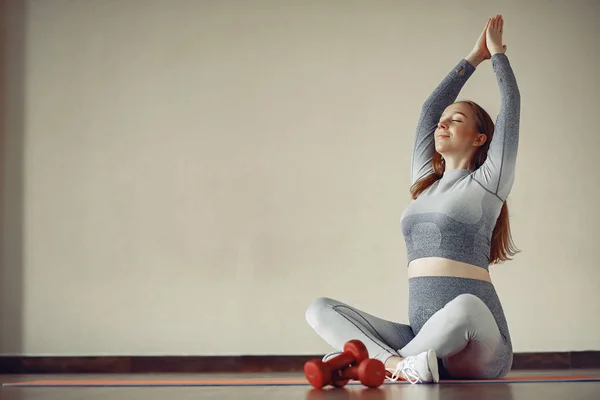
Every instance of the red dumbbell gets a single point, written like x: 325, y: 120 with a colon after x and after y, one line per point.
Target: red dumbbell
x: 321, y: 374
x: 371, y: 373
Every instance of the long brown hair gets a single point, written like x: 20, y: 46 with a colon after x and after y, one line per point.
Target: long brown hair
x: 502, y: 244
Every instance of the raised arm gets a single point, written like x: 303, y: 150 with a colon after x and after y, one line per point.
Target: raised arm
x: 497, y: 173
x: 443, y: 95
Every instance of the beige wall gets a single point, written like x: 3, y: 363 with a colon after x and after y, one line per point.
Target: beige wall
x: 12, y: 129
x: 195, y: 173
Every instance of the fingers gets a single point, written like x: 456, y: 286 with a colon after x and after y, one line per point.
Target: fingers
x: 497, y: 23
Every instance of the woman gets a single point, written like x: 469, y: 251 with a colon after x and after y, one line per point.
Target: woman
x: 457, y: 225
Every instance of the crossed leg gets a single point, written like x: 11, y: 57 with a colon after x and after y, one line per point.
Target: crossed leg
x: 337, y: 323
x: 464, y: 335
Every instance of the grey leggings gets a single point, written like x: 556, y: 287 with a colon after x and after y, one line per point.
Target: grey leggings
x: 449, y: 315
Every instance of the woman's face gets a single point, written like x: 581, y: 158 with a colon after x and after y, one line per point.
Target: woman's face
x: 456, y: 133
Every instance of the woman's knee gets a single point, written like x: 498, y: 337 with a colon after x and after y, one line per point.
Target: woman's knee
x: 316, y: 310
x: 466, y: 305
x: 462, y: 310
x: 467, y: 301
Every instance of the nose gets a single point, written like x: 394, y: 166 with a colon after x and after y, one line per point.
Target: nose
x: 442, y: 125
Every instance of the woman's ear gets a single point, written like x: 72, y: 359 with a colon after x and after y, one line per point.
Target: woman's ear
x: 480, y: 139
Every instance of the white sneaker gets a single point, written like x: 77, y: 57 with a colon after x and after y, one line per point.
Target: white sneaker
x: 417, y: 369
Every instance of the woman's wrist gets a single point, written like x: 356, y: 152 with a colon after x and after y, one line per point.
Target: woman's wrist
x: 474, y: 59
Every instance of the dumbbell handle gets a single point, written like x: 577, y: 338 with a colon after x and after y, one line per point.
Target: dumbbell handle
x: 349, y: 373
x: 341, y: 361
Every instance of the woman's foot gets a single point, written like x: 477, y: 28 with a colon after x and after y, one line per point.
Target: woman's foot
x: 415, y: 369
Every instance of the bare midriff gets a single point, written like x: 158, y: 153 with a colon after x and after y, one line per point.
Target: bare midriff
x: 435, y: 266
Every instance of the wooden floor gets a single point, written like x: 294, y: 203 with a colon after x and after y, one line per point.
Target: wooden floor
x: 546, y: 391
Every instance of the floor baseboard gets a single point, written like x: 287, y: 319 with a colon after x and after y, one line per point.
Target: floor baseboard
x: 241, y: 364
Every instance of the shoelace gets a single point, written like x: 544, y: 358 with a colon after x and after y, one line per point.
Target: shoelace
x: 333, y: 353
x: 406, y: 369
